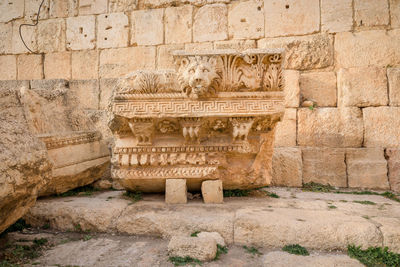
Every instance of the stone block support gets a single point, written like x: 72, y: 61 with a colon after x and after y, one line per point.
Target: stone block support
x: 212, y: 191
x: 175, y: 191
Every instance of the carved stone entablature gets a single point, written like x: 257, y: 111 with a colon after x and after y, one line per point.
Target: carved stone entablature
x: 211, y: 118
x: 73, y: 138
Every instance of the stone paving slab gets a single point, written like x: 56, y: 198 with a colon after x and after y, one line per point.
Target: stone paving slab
x: 322, y: 221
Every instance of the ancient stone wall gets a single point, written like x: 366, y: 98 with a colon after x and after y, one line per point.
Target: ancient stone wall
x: 342, y: 119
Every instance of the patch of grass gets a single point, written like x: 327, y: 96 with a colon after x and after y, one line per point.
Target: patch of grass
x: 17, y: 226
x: 316, y: 187
x: 220, y: 250
x: 40, y: 242
x: 364, y: 202
x: 296, y: 249
x: 78, y: 227
x: 86, y: 190
x: 194, y: 234
x: 6, y: 263
x: 391, y: 196
x: 332, y: 207
x: 343, y: 200
x: 272, y: 194
x: 236, y: 193
x: 374, y: 256
x: 366, y: 217
x: 134, y: 196
x: 46, y: 226
x: 87, y: 237
x: 252, y: 250
x: 181, y: 261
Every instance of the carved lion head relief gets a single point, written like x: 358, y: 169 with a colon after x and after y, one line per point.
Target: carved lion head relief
x: 197, y: 75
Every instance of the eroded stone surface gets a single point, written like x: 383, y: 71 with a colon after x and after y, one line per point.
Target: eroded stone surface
x: 393, y: 75
x: 324, y: 166
x: 371, y: 13
x: 81, y: 32
x: 178, y: 24
x: 11, y: 9
x: 51, y: 35
x: 293, y: 22
x: 319, y: 87
x: 381, y: 126
x: 210, y: 23
x: 336, y: 16
x: 212, y: 191
x: 8, y: 67
x: 304, y: 52
x: 287, y: 167
x: 330, y: 127
x: 24, y: 164
x: 246, y: 20
x: 201, y: 248
x: 393, y: 157
x: 147, y: 27
x: 175, y: 191
x: 112, y: 30
x: 286, y: 130
x: 30, y: 67
x: 367, y: 168
x: 362, y: 87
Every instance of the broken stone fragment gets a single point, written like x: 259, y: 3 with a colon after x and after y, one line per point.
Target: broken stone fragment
x: 215, y: 235
x: 212, y: 191
x: 201, y: 248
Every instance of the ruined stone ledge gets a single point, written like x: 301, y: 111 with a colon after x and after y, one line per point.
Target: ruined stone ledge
x: 296, y: 217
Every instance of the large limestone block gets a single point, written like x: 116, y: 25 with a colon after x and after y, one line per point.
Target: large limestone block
x: 394, y: 13
x: 210, y: 23
x: 161, y: 221
x: 284, y: 259
x: 55, y: 116
x: 303, y: 52
x: 178, y: 24
x: 8, y: 67
x: 5, y: 38
x: 147, y: 27
x: 175, y: 191
x: 106, y: 90
x: 51, y: 35
x: 292, y: 88
x: 62, y: 9
x: 30, y: 67
x: 212, y: 191
x: 246, y: 20
x: 115, y: 63
x: 88, y: 7
x: 112, y: 30
x: 24, y: 164
x: 330, y: 127
x: 81, y: 32
x: 122, y: 5
x: 206, y: 46
x: 320, y: 87
x: 324, y: 166
x: 371, y: 12
x: 29, y: 34
x: 85, y: 64
x: 286, y: 129
x: 362, y: 87
x: 336, y: 16
x: 11, y: 9
x: 322, y: 230
x: 57, y: 65
x: 365, y: 48
x: 287, y: 167
x: 382, y: 126
x: 288, y: 17
x: 393, y: 75
x: 367, y: 168
x: 393, y: 158
x: 201, y: 248
x: 32, y: 6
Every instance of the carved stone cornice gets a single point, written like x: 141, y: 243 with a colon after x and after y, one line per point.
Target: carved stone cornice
x: 73, y: 138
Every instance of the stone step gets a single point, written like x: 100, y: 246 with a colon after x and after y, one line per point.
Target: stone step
x: 321, y: 221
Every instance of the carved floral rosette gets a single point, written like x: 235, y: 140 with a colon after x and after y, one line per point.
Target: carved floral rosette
x: 211, y: 118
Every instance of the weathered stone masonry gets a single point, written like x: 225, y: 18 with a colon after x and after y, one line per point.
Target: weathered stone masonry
x: 342, y: 57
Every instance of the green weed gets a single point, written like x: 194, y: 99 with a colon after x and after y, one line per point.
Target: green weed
x: 220, y: 250
x: 364, y: 202
x: 194, y: 234
x: 272, y: 194
x: 236, y: 193
x: 181, y: 261
x: 316, y: 187
x: 374, y: 256
x: 252, y: 250
x: 134, y: 196
x: 296, y: 249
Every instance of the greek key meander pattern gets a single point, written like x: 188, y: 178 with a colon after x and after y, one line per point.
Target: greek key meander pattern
x: 185, y: 108
x: 53, y: 142
x: 165, y: 172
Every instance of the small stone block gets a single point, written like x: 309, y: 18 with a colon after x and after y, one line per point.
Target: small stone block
x: 175, y: 191
x: 212, y: 191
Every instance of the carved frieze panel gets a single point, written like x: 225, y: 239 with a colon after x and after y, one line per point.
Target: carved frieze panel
x: 203, y: 120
